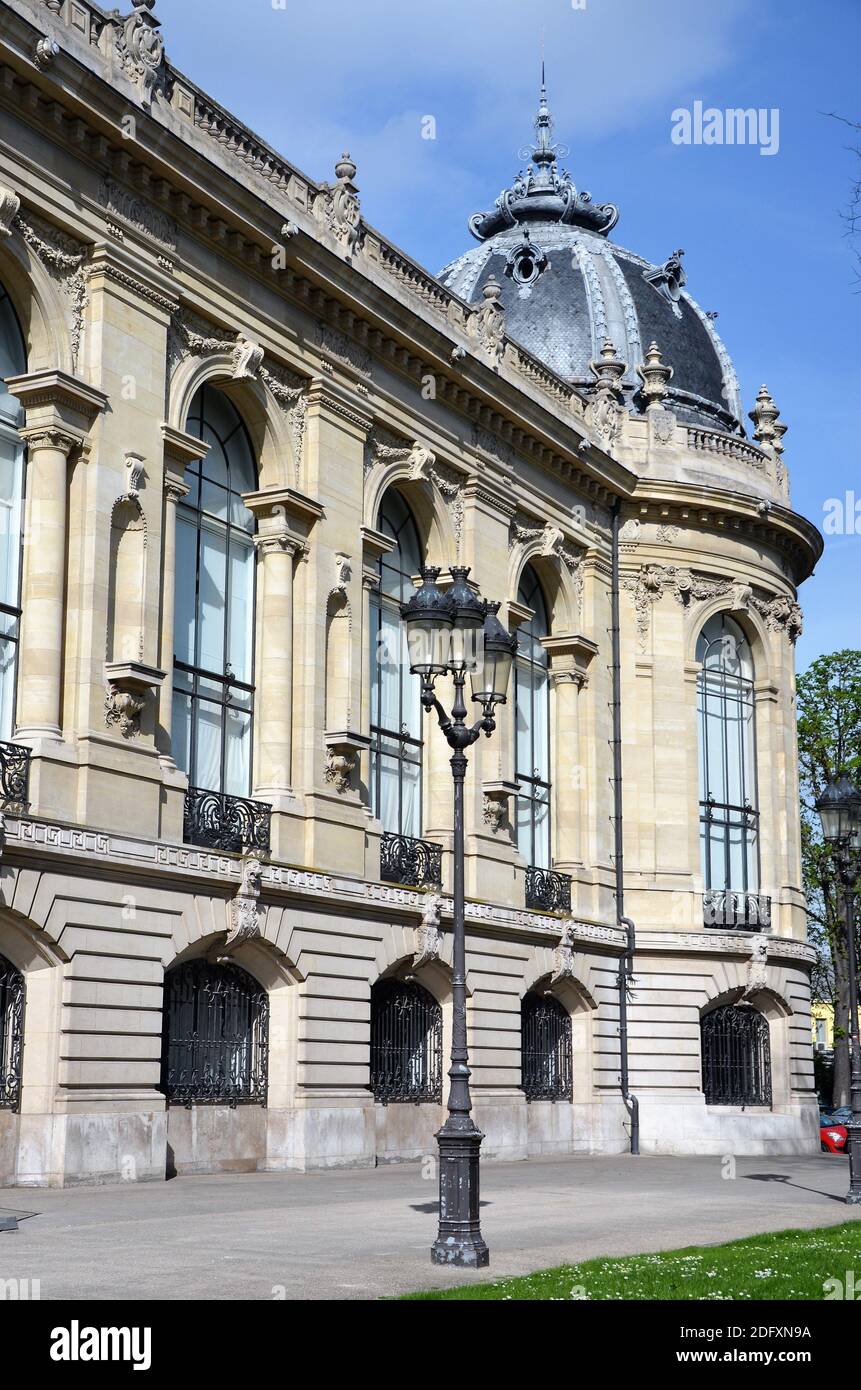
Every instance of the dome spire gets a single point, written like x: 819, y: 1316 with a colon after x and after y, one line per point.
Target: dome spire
x: 545, y: 193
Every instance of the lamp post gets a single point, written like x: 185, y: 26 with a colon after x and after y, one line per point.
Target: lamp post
x: 839, y: 807
x: 454, y: 632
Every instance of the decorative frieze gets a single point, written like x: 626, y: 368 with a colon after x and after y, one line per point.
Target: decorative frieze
x: 63, y: 258
x: 135, y: 212
x: 781, y: 614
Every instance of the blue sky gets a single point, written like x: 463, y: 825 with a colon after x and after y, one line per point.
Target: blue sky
x: 765, y: 243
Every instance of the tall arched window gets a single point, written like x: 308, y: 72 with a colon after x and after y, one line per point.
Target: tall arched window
x: 736, y: 1053
x: 532, y: 722
x: 215, y: 1035
x: 13, y: 362
x: 11, y: 1034
x: 213, y: 703
x: 729, y: 820
x: 406, y: 1043
x: 396, y: 714
x: 545, y: 1041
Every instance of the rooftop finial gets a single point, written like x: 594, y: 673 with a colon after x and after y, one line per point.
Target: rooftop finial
x: 545, y: 152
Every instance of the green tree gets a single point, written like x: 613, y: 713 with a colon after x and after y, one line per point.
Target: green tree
x: 829, y: 741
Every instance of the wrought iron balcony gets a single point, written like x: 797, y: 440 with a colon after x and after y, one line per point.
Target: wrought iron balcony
x: 14, y: 775
x: 547, y: 890
x: 416, y: 863
x: 214, y: 820
x: 741, y: 911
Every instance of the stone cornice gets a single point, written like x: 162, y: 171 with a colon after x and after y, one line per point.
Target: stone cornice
x: 723, y: 943
x: 182, y: 448
x: 246, y: 231
x: 102, y: 853
x: 733, y: 513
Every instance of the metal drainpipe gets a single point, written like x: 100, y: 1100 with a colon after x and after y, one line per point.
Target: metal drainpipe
x: 626, y: 962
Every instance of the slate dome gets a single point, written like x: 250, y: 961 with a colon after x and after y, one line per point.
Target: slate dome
x: 566, y: 289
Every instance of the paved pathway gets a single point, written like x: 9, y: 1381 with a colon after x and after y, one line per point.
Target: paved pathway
x: 366, y: 1232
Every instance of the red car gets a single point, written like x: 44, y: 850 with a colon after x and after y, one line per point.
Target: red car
x: 832, y: 1135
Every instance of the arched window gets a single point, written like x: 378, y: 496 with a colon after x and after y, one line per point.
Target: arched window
x: 215, y: 1038
x: 396, y: 713
x: 729, y: 820
x: 11, y: 1034
x: 736, y: 1056
x: 545, y: 1041
x: 406, y: 1043
x: 532, y: 721
x: 13, y: 362
x: 213, y: 703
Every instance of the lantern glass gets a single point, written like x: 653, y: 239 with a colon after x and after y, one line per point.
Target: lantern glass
x: 491, y: 677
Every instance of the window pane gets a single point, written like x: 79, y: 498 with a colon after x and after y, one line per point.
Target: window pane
x: 237, y: 774
x: 240, y: 635
x: 213, y: 575
x: 411, y: 799
x: 181, y: 732
x: 186, y: 585
x: 208, y: 746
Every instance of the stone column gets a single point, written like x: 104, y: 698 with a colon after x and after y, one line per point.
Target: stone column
x: 570, y: 656
x: 274, y: 679
x: 41, y: 654
x: 59, y: 413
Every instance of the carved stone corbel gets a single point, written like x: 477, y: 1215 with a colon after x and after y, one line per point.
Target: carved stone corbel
x: 428, y: 934
x: 343, y: 750
x: 128, y: 683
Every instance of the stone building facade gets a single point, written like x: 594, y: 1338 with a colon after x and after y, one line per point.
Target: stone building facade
x: 236, y: 421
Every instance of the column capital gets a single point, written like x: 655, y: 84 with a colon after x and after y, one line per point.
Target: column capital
x: 50, y: 437
x: 279, y: 543
x: 174, y: 488
x: 55, y: 400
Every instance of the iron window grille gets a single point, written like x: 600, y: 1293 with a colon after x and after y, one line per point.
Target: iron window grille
x: 215, y: 1044
x: 736, y: 1056
x: 545, y: 1040
x: 406, y: 1043
x: 228, y: 823
x: 547, y: 890
x: 14, y: 774
x: 406, y: 860
x: 11, y: 1034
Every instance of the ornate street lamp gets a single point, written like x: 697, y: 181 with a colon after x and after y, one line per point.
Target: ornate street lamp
x: 839, y: 807
x: 456, y: 632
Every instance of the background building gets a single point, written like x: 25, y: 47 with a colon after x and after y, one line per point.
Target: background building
x: 236, y: 422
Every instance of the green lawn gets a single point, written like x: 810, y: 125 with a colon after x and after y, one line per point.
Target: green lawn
x: 787, y: 1264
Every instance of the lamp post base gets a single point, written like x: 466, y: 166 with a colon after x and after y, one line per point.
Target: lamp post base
x: 459, y: 1241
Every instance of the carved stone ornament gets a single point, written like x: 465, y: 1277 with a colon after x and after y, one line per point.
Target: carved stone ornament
x: 128, y: 685
x: 46, y: 53
x: 757, y: 966
x: 247, y: 359
x: 134, y: 474
x: 525, y: 263
x: 140, y: 50
x: 62, y: 257
x: 342, y: 758
x: 339, y: 206
x: 488, y: 321
x: 655, y: 376
x: 769, y: 429
x: 10, y: 205
x: 668, y: 279
x: 564, y: 956
x: 343, y: 573
x: 245, y: 907
x: 605, y: 413
x: 429, y: 935
x: 124, y: 708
